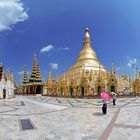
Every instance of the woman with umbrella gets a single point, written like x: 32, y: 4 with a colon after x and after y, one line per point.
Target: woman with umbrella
x: 105, y: 96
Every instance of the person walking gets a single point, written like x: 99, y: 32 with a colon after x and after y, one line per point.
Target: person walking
x: 104, y: 107
x: 114, y: 99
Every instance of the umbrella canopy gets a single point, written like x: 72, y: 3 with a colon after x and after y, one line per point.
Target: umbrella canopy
x: 105, y: 96
x: 113, y: 93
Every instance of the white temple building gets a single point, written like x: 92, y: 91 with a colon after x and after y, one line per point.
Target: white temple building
x: 6, y: 84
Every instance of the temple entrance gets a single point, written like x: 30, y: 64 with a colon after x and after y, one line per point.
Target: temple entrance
x: 38, y: 90
x: 82, y: 89
x: 31, y: 90
x: 99, y: 90
x: 4, y: 93
x: 71, y: 91
x: 112, y: 88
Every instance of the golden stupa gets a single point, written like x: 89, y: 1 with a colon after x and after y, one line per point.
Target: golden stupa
x: 87, y: 75
x: 87, y: 61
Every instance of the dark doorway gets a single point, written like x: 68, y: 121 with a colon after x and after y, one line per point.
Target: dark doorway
x: 38, y: 90
x: 71, y: 91
x: 99, y: 89
x: 31, y: 90
x: 83, y: 90
x: 4, y: 93
x: 112, y: 88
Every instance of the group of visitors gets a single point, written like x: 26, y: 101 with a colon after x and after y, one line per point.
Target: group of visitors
x: 104, y: 107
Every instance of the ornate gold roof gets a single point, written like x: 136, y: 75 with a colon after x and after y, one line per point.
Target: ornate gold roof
x: 87, y: 58
x: 35, y: 75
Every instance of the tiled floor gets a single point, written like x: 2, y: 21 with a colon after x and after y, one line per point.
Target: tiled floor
x: 69, y: 119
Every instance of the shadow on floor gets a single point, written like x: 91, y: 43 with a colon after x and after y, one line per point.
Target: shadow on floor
x: 98, y: 114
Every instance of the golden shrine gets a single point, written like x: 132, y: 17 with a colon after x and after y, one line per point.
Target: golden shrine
x: 87, y: 77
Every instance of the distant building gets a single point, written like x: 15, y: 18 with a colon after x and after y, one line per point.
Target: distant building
x: 32, y: 85
x: 6, y: 84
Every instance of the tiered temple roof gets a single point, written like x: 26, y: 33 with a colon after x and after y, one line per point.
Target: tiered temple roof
x: 25, y: 77
x: 35, y: 75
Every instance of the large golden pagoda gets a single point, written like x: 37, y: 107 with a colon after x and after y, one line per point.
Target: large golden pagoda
x: 86, y: 77
x: 87, y: 60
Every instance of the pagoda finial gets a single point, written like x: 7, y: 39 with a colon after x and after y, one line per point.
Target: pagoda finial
x: 87, y: 33
x: 87, y: 36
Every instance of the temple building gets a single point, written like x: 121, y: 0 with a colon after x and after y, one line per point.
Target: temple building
x: 34, y: 84
x: 6, y: 84
x: 87, y: 77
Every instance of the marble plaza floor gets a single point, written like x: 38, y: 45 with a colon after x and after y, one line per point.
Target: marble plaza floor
x: 50, y: 118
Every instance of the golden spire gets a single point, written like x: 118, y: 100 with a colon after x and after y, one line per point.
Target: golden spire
x: 9, y: 76
x: 87, y: 38
x: 87, y: 57
x: 25, y: 77
x: 49, y: 80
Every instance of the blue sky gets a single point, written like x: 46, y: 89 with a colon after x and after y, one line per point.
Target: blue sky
x: 28, y: 26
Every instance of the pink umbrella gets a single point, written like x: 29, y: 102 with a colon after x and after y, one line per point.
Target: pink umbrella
x: 105, y: 96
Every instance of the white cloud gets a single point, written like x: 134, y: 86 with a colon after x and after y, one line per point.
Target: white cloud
x: 46, y: 49
x: 11, y: 12
x: 22, y: 72
x: 131, y: 62
x: 64, y: 48
x: 54, y: 65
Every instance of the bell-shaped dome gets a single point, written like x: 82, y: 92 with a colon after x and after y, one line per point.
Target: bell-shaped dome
x: 87, y: 58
